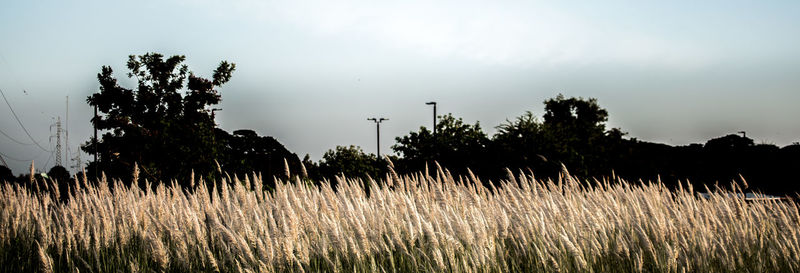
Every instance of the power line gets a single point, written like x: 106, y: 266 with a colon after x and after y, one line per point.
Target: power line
x: 20, y: 122
x: 13, y: 139
x: 15, y: 159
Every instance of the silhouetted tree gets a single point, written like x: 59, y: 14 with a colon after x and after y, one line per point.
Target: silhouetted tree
x: 245, y: 153
x: 61, y: 176
x: 166, y: 129
x: 58, y: 173
x: 352, y: 162
x: 579, y: 138
x: 520, y: 144
x: 456, y: 146
x: 6, y: 175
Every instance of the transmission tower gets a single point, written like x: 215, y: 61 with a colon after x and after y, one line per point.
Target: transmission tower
x: 77, y: 160
x: 58, y: 140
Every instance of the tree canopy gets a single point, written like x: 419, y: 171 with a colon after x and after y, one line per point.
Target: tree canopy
x: 165, y: 128
x: 166, y: 125
x: 456, y: 145
x: 352, y: 162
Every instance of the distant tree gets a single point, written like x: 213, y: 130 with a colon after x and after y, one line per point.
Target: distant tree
x: 61, y: 176
x: 165, y: 124
x: 581, y: 115
x: 729, y: 143
x: 521, y: 144
x: 576, y: 127
x: 58, y: 173
x: 352, y: 162
x: 456, y: 146
x: 6, y: 175
x: 245, y: 152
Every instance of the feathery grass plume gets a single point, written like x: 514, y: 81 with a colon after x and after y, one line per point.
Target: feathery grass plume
x: 32, y: 173
x: 303, y: 171
x: 158, y: 251
x: 45, y: 262
x: 286, y: 168
x: 135, y: 173
x: 426, y: 223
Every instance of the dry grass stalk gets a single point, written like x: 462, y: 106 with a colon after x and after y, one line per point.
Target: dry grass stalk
x: 422, y: 222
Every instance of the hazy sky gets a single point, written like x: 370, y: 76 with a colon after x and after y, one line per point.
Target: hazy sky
x: 311, y: 72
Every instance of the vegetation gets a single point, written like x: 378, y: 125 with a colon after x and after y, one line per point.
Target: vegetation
x: 573, y: 133
x: 456, y: 145
x: 350, y: 162
x: 166, y: 125
x: 427, y: 222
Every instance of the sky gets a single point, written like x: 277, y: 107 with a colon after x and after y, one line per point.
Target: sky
x: 310, y: 73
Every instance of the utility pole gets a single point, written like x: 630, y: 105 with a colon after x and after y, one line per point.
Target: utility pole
x: 96, y: 164
x: 378, y: 124
x: 66, y: 133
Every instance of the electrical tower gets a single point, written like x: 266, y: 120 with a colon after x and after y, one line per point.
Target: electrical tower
x: 58, y: 142
x: 77, y: 159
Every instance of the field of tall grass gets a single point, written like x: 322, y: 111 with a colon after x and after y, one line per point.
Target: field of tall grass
x: 428, y: 222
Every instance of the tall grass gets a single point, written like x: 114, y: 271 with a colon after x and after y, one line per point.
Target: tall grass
x: 419, y: 223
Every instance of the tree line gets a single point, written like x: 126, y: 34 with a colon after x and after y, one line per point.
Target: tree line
x: 572, y: 135
x: 165, y: 127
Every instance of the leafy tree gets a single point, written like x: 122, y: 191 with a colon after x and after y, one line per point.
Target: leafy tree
x: 58, y: 173
x: 456, y: 146
x: 521, y: 144
x: 6, y: 175
x: 352, y: 162
x: 576, y: 129
x: 246, y: 152
x: 728, y: 143
x: 165, y: 124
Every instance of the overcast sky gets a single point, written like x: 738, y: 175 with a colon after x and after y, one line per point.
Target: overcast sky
x: 311, y: 72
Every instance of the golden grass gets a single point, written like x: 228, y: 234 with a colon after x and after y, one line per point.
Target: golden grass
x: 419, y: 223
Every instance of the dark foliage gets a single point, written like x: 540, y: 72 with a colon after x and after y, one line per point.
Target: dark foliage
x: 6, y: 175
x: 166, y: 126
x: 573, y: 134
x: 456, y: 146
x: 351, y: 162
x: 247, y: 153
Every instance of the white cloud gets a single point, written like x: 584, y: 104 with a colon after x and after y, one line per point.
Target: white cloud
x: 506, y: 33
x: 492, y: 32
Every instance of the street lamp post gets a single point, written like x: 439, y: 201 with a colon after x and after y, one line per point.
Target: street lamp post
x: 434, y: 115
x: 378, y: 129
x: 434, y: 123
